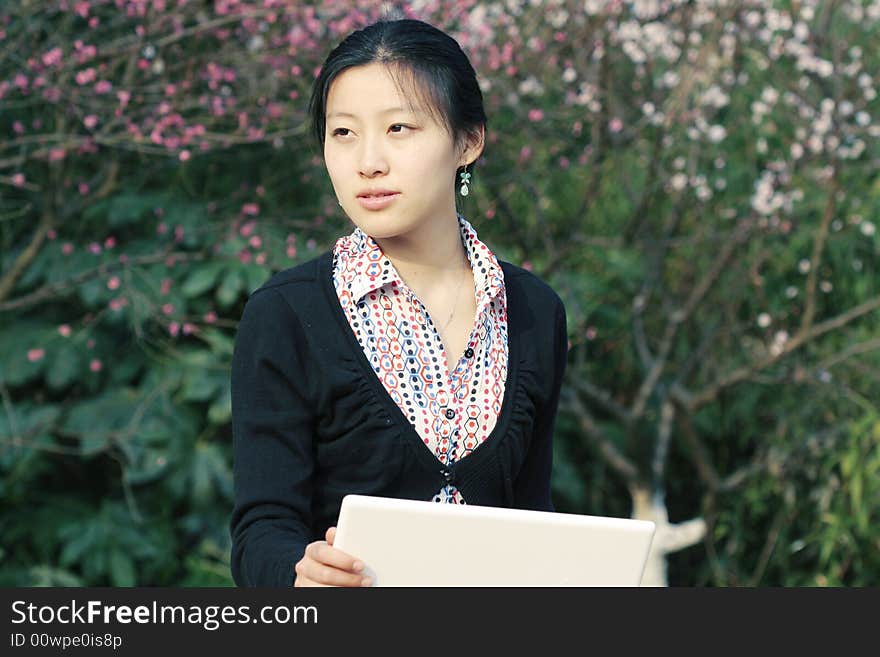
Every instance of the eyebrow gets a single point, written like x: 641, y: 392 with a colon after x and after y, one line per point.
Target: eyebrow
x: 390, y: 110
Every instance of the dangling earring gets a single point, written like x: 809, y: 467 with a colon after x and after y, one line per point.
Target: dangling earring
x: 465, y: 179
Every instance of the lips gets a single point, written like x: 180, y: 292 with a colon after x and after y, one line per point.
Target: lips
x: 377, y: 192
x: 377, y: 199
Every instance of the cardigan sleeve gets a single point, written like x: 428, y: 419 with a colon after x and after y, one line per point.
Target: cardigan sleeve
x: 273, y: 457
x: 532, y: 486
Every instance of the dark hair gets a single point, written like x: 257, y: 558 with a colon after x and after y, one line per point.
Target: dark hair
x: 422, y: 59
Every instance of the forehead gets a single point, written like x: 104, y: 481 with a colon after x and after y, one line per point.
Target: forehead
x: 372, y: 90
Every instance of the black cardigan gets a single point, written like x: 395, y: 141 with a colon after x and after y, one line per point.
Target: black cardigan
x: 313, y: 423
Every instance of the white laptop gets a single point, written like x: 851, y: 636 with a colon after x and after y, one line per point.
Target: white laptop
x: 414, y: 543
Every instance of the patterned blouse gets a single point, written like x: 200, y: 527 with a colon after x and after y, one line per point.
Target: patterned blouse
x: 452, y: 411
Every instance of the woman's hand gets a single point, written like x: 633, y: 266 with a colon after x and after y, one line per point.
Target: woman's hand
x: 324, y: 565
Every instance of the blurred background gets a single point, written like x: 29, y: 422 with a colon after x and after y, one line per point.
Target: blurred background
x: 697, y: 179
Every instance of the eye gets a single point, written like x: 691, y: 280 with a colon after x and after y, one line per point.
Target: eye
x: 399, y: 125
x: 338, y: 132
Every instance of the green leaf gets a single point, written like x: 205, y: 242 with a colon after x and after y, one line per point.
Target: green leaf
x: 220, y: 411
x: 202, y: 279
x: 121, y: 569
x: 93, y: 293
x: 229, y: 289
x: 200, y: 384
x: 66, y: 367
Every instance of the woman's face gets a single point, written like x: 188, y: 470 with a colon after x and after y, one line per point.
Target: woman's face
x: 392, y: 167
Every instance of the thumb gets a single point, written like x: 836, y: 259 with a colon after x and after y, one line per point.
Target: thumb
x: 331, y: 535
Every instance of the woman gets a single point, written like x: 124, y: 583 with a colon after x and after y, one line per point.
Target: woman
x: 407, y: 361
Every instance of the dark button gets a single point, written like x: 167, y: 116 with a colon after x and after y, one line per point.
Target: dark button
x: 448, y: 475
x: 450, y: 414
x: 468, y: 353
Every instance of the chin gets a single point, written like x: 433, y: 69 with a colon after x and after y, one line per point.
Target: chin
x: 380, y: 227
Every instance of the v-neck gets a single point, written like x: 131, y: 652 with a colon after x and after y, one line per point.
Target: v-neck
x: 427, y: 456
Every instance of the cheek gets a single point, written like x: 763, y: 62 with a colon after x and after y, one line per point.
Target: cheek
x: 334, y: 167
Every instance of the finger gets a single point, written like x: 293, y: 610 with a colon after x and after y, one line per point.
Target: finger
x: 331, y: 556
x: 331, y: 535
x: 317, y: 574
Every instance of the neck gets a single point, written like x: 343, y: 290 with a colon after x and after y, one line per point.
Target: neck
x: 432, y: 257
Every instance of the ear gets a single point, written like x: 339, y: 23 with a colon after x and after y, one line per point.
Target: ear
x: 473, y: 146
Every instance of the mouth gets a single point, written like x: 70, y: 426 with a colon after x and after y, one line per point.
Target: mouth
x: 377, y: 200
x: 377, y: 193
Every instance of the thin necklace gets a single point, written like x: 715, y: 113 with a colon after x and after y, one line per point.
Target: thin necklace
x: 454, y: 303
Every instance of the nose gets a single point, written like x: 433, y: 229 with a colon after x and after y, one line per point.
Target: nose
x: 372, y: 161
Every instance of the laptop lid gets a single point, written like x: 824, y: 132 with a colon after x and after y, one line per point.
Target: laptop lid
x: 416, y: 543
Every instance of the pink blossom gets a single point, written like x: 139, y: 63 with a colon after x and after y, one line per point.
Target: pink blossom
x: 118, y: 303
x: 124, y: 97
x: 52, y: 95
x: 162, y: 228
x: 95, y: 365
x: 527, y: 265
x: 564, y: 162
x: 490, y: 213
x: 536, y: 115
x: 615, y: 125
x: 95, y: 248
x: 20, y: 81
x: 83, y: 188
x: 260, y: 259
x: 165, y: 287
x: 56, y: 154
x: 51, y: 234
x: 244, y: 256
x: 18, y: 179
x: 260, y: 190
x: 291, y: 251
x: 178, y: 233
x: 173, y: 329
x: 189, y: 328
x: 251, y: 209
x: 255, y: 242
x: 110, y: 242
x: 90, y: 121
x: 33, y: 355
x: 170, y: 89
x: 52, y: 57
x: 113, y: 283
x: 184, y: 155
x: 81, y: 8
x: 167, y: 308
x: 93, y: 22
x: 210, y: 317
x: 67, y: 248
x: 591, y: 333
x: 103, y: 87
x: 85, y: 76
x: 64, y: 330
x: 247, y: 228
x: 525, y: 153
x: 18, y: 127
x: 91, y: 343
